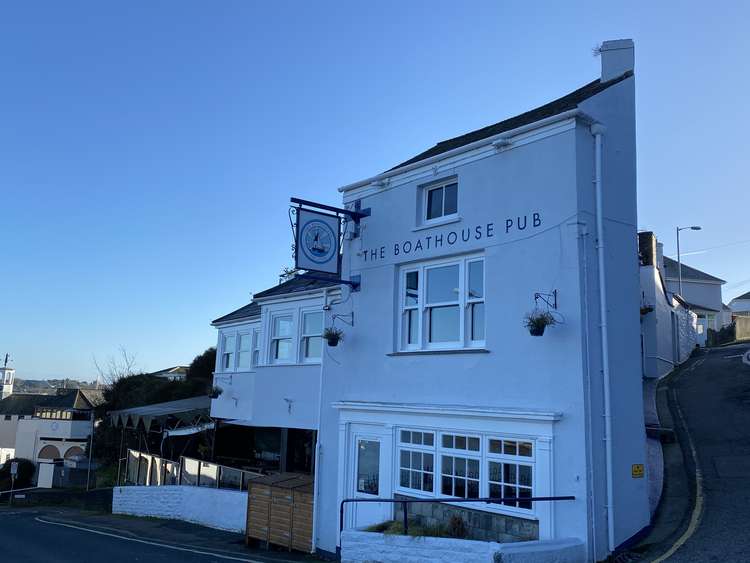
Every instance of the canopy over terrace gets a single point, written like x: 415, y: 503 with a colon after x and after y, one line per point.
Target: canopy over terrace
x: 163, y: 417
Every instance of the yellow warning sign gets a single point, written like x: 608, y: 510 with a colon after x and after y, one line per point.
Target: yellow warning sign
x: 637, y: 471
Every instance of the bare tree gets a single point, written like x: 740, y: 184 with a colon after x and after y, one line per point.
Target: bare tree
x: 116, y: 367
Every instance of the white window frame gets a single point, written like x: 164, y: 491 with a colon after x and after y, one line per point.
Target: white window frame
x: 233, y: 362
x: 484, y: 458
x: 426, y: 198
x: 255, y: 352
x: 239, y: 335
x: 272, y: 338
x: 303, y: 336
x: 470, y: 301
x: 463, y: 303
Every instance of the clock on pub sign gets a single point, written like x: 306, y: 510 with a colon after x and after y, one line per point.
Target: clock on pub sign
x: 317, y: 245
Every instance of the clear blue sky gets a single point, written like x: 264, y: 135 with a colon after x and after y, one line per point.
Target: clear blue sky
x: 148, y: 149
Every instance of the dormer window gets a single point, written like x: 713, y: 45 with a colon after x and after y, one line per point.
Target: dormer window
x: 441, y: 201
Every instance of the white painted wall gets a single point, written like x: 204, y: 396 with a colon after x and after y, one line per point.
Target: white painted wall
x: 706, y: 294
x: 216, y: 508
x: 548, y: 173
x: 31, y: 434
x: 8, y: 431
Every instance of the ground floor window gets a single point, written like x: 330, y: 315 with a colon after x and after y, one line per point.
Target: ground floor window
x: 436, y: 463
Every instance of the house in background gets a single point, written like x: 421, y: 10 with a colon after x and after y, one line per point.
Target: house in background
x: 176, y: 373
x: 668, y: 326
x: 740, y: 305
x: 700, y: 290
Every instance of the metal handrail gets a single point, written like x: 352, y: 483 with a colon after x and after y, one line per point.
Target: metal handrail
x: 406, y: 502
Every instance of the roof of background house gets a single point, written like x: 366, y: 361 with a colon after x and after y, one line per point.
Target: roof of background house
x: 173, y: 371
x: 26, y: 403
x: 671, y: 268
x: 560, y: 105
x: 725, y: 307
x: 743, y: 296
x: 696, y: 306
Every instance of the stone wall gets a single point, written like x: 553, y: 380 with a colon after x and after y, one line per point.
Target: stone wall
x: 481, y: 525
x: 370, y: 547
x: 216, y: 508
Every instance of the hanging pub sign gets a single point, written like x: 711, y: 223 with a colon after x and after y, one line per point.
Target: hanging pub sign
x: 317, y: 242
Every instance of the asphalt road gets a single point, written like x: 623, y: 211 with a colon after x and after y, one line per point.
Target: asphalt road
x: 714, y: 397
x: 49, y: 535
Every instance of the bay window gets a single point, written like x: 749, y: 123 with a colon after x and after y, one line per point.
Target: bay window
x: 445, y: 310
x: 256, y: 347
x: 430, y: 463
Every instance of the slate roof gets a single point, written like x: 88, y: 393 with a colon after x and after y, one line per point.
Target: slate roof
x: 688, y: 273
x: 743, y: 296
x: 247, y: 312
x: 26, y: 403
x: 566, y: 103
x: 696, y: 306
x: 291, y: 286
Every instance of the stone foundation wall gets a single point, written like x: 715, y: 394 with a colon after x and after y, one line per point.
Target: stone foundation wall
x: 481, y: 525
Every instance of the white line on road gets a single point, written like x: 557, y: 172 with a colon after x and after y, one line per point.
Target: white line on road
x: 695, y: 517
x: 147, y: 542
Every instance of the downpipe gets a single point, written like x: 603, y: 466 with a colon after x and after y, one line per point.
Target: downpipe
x: 598, y: 131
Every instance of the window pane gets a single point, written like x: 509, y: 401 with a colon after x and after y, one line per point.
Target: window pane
x: 412, y: 329
x: 427, y: 484
x: 243, y: 360
x: 474, y: 444
x: 442, y: 284
x: 472, y: 468
x: 416, y: 480
x: 428, y: 439
x: 435, y: 203
x: 427, y: 462
x: 447, y: 486
x: 412, y: 289
x: 460, y: 487
x: 444, y: 324
x: 450, y: 205
x: 472, y: 489
x: 459, y: 466
x: 524, y: 475
x: 416, y: 460
x: 509, y: 473
x: 477, y: 321
x: 313, y: 323
x: 496, y: 447
x: 405, y: 457
x: 405, y: 436
x: 524, y: 493
x: 404, y: 480
x: 313, y: 346
x: 476, y: 279
x: 510, y: 447
x: 460, y: 442
x: 447, y: 465
x: 282, y: 349
x: 246, y: 341
x: 256, y: 357
x: 524, y: 449
x: 368, y: 467
x: 509, y: 492
x: 282, y: 326
x: 229, y: 344
x: 495, y: 491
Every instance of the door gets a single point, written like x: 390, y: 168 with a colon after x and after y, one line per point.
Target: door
x: 367, y: 482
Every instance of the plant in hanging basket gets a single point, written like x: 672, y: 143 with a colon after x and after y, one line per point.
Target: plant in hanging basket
x: 215, y: 392
x: 646, y: 309
x: 333, y: 335
x: 537, y: 321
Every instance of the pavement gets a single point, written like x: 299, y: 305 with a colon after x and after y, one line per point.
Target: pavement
x: 69, y: 535
x: 705, y: 506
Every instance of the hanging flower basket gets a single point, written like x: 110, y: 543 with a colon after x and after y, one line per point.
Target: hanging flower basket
x: 333, y: 335
x: 215, y: 392
x: 537, y: 321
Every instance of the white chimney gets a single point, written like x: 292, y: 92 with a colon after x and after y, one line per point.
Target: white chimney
x: 618, y: 57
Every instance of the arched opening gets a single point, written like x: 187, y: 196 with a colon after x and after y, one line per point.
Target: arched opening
x: 73, y: 452
x: 49, y: 452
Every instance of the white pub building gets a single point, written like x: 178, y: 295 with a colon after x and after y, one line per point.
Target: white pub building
x: 438, y: 389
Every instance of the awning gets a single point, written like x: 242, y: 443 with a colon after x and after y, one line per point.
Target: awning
x: 187, y: 430
x: 187, y: 411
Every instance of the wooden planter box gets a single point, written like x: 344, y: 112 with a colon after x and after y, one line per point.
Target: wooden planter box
x: 280, y: 511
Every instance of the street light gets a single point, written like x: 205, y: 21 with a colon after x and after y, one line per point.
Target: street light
x: 679, y: 261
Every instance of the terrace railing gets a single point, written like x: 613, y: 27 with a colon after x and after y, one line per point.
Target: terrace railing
x: 152, y: 470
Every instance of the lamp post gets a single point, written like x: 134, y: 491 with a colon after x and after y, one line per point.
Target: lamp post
x: 679, y: 260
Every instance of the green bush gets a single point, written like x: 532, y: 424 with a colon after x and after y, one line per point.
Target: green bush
x: 23, y: 477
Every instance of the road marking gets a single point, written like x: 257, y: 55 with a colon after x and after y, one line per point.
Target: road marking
x: 147, y: 542
x: 695, y: 517
x: 737, y: 356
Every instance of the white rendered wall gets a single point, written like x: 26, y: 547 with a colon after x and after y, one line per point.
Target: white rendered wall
x: 703, y: 294
x: 8, y: 431
x: 215, y: 508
